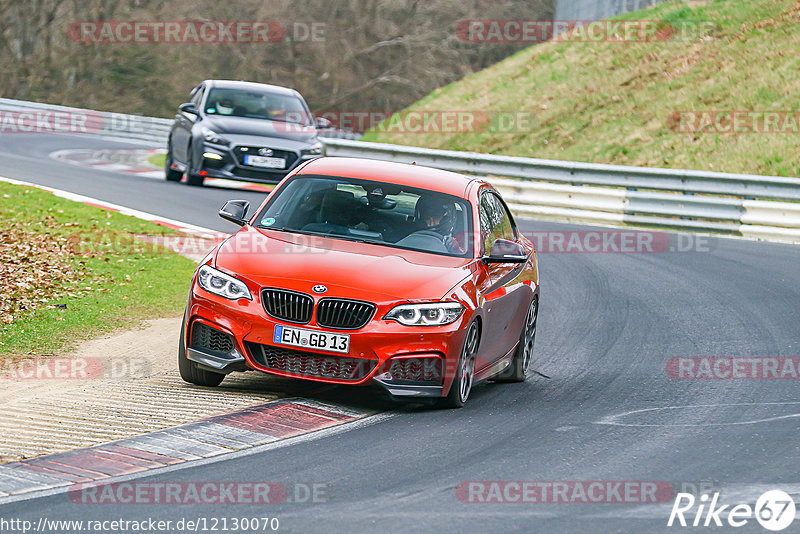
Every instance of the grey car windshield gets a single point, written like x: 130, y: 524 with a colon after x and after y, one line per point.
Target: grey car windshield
x: 373, y: 212
x: 257, y: 105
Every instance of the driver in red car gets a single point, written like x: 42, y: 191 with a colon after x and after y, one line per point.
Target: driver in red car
x: 440, y: 217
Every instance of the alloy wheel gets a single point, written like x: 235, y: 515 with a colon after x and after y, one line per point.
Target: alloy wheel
x: 467, y: 367
x: 530, y: 333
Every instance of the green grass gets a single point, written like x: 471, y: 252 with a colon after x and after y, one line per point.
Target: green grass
x: 158, y: 160
x: 613, y: 102
x: 129, y: 283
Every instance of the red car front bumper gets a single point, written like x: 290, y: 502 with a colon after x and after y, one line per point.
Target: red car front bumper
x: 405, y: 361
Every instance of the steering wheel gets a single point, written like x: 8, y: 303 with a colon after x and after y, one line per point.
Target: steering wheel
x: 430, y: 233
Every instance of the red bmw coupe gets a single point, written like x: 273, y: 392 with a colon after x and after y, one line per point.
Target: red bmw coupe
x: 356, y: 271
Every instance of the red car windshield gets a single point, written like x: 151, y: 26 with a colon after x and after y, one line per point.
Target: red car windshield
x: 373, y: 212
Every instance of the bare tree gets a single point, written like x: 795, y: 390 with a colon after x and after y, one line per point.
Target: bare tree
x: 379, y: 55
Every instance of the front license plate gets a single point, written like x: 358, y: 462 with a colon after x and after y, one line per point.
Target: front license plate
x: 264, y: 161
x: 311, y: 339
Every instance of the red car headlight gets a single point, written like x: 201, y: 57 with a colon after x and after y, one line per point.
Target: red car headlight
x: 222, y: 284
x: 428, y: 314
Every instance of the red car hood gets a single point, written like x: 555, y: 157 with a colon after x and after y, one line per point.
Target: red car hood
x: 269, y: 258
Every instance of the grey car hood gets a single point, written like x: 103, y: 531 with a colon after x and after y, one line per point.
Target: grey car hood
x: 241, y: 131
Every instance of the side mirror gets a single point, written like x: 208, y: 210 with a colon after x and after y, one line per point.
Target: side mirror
x: 235, y: 211
x: 323, y: 123
x: 505, y: 251
x: 188, y: 107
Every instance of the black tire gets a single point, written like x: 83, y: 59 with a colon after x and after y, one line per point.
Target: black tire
x: 465, y: 373
x: 171, y: 174
x: 191, y: 372
x: 192, y: 178
x: 518, y: 369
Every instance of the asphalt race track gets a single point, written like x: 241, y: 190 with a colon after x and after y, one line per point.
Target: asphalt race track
x: 609, y: 411
x: 26, y: 157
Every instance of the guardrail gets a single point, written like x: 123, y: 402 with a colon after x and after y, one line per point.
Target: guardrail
x: 596, y: 10
x: 761, y: 207
x: 114, y: 126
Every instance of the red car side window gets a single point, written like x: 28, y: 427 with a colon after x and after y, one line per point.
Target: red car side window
x: 495, y: 221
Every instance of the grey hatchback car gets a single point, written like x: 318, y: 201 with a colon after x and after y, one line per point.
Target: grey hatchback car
x: 241, y: 131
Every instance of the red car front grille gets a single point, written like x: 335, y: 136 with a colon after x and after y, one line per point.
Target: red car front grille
x: 344, y: 313
x: 288, y: 305
x: 310, y: 364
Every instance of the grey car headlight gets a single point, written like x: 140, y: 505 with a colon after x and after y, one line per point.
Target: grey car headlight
x: 222, y: 284
x: 213, y: 137
x: 428, y: 314
x: 314, y: 150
